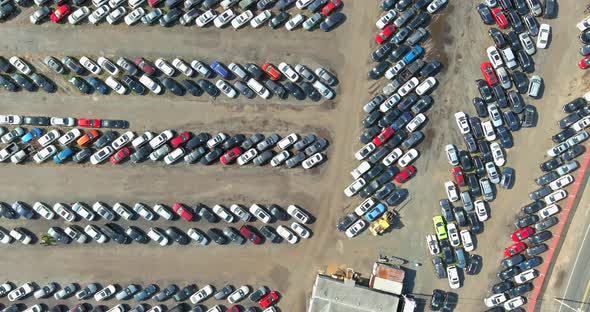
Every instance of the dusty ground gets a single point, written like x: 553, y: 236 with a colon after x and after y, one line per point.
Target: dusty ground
x: 459, y: 41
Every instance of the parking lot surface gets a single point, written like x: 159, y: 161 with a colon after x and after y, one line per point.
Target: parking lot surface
x: 459, y: 41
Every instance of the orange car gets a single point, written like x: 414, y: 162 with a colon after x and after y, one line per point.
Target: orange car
x: 87, y: 138
x: 271, y: 71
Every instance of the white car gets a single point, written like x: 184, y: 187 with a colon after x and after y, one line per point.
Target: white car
x: 561, y: 182
x: 362, y: 168
x: 48, y: 138
x: 116, y: 15
x: 182, y: 67
x: 543, y: 38
x: 497, y: 154
x: 488, y: 131
x: 581, y: 124
x: 162, y: 138
x: 385, y: 19
x: 432, y: 244
x: 247, y: 156
x: 260, y: 19
x: 300, y: 230
x: 324, y: 90
x: 78, y: 15
x: 69, y: 137
x: 555, y: 197
x: 467, y: 240
x: 509, y: 58
x: 578, y: 138
x: 150, y: 84
x: 134, y: 16
x: 166, y: 68
x: 535, y: 84
x: 101, y: 155
x: 416, y: 122
x: 11, y: 120
x: 503, y: 77
x: 174, y: 156
x: 257, y: 87
x: 451, y: 191
x: 143, y: 211
x: 117, y: 308
x: 6, y: 239
x: 288, y: 141
x: 557, y: 149
x: 94, y: 232
x: 158, y: 236
x: 240, y: 212
x: 408, y: 158
x: 122, y: 140
x: 105, y: 293
x: 202, y: 294
x: 548, y: 211
x: 63, y: 121
x: 123, y: 211
x: 481, y: 210
x: 492, y: 172
x: 513, y: 303
x: 297, y: 214
x: 495, y: 115
x: 76, y: 234
x: 302, y: 4
x: 224, y: 18
x: 223, y: 213
x: 61, y: 210
x: 163, y: 212
x: 135, y: 3
x: 98, y: 14
x: 312, y: 161
x: 390, y: 158
x: 356, y: 228
x: 44, y: 154
x: 142, y: 139
x: 435, y: 6
x: 390, y: 102
x: 462, y: 122
x: 13, y: 135
x: 408, y: 87
x: 115, y: 85
x: 226, y: 88
x: 116, y: 3
x: 527, y: 43
x: 20, y: 292
x: 453, y: 234
x: 20, y: 65
x: 287, y: 234
x: 295, y: 21
x: 108, y: 65
x: 216, y: 140
x: 584, y: 24
x: 354, y: 187
x: 453, y: 277
x: 20, y: 236
x: 206, y: 18
x: 363, y: 207
x: 242, y: 19
x: 365, y: 151
x: 495, y: 300
x: 260, y: 213
x: 215, y: 308
x: 289, y: 72
x: 426, y: 85
x: 80, y: 209
x: 452, y: 154
x: 238, y: 294
x: 43, y: 210
x: 526, y: 276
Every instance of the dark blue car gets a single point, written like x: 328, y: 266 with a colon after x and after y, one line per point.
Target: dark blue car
x: 23, y: 210
x: 401, y: 121
x: 35, y: 132
x: 221, y: 70
x: 97, y: 84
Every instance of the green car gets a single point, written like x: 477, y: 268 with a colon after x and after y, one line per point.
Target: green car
x: 439, y: 227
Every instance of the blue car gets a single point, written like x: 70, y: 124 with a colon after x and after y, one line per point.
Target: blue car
x: 375, y: 212
x: 460, y: 255
x: 97, y: 85
x: 413, y: 54
x: 35, y: 132
x: 401, y: 121
x: 23, y: 210
x: 63, y: 155
x: 221, y: 70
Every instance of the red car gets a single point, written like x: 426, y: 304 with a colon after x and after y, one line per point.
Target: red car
x: 488, y: 73
x: 271, y: 71
x: 61, y: 12
x: 88, y: 123
x: 120, y: 155
x: 521, y: 234
x: 500, y: 17
x: 405, y: 174
x: 514, y: 249
x: 144, y: 65
x: 383, y: 136
x: 458, y: 174
x: 249, y: 233
x: 230, y: 155
x: 234, y: 309
x: 584, y: 63
x: 182, y: 211
x: 333, y: 4
x: 153, y: 3
x: 385, y: 34
x: 181, y: 138
x: 269, y: 299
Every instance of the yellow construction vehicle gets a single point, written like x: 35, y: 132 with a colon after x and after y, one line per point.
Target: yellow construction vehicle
x: 380, y: 225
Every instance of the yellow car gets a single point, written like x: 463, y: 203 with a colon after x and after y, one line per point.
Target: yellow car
x: 439, y: 227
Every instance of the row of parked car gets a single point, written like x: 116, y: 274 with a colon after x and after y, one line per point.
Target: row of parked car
x: 584, y: 28
x: 395, y: 117
x: 481, y: 166
x: 78, y: 147
x: 249, y: 80
x: 189, y: 12
x: 262, y: 296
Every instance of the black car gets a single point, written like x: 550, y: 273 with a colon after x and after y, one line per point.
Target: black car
x: 447, y: 253
x: 398, y: 53
x: 525, y: 61
x: 7, y: 84
x: 533, y: 207
x: 512, y: 120
x: 278, y: 212
x: 530, y: 117
x: 269, y: 233
x: 7, y: 212
x: 515, y: 20
x: 460, y: 216
x: 480, y: 107
x: 387, y: 175
x: 133, y: 84
x: 530, y: 263
x: 310, y: 91
x: 141, y: 154
x: 346, y: 221
x: 379, y: 70
x: 446, y: 208
x: 23, y: 82
x: 171, y: 17
x: 521, y: 82
x: 507, y: 178
x: 82, y: 155
x: 244, y: 89
x: 520, y: 290
x: 369, y: 189
x: 208, y: 87
x: 485, y: 14
x: 197, y: 140
x: 473, y: 183
x: 514, y: 41
x: 105, y: 139
x: 369, y: 134
x: 474, y: 264
x: 545, y: 224
x: 526, y: 221
x: 137, y: 234
x: 43, y: 83
x: 284, y: 5
x: 185, y: 293
x: 540, y: 193
x: 419, y: 20
x: 585, y: 50
x: 276, y: 88
x: 234, y: 141
x: 97, y: 84
x: 59, y: 235
x: 224, y: 292
x: 470, y: 142
x: 279, y: 20
x: 437, y: 299
x: 512, y: 261
x: 381, y: 52
x: 486, y: 152
x: 372, y: 118
x: 173, y: 86
x: 234, y: 235
x: 521, y: 7
x: 531, y: 24
x: 397, y: 197
x: 115, y: 124
x: 4, y: 65
x: 537, y: 249
x: 384, y: 190
x: 439, y: 267
x: 36, y: 121
x: 212, y: 156
x: 396, y: 139
x: 474, y: 223
x: 547, y: 178
x: 573, y: 152
x: 574, y: 105
x: 116, y: 233
x: 484, y: 90
x: 73, y: 65
x: 502, y: 287
x: 431, y: 68
x: 177, y: 235
x: 539, y: 237
x: 389, y: 118
x: 500, y: 95
x: 316, y: 5
x: 498, y: 37
x: 423, y: 104
x: 294, y: 90
x: 508, y: 273
x: 332, y: 21
x: 205, y: 213
x: 217, y: 236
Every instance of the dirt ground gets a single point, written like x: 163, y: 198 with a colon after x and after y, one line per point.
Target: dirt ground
x: 459, y: 41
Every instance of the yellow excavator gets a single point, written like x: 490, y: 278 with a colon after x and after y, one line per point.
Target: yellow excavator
x: 383, y: 223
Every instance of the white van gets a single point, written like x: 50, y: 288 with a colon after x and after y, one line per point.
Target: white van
x: 509, y: 58
x: 258, y: 88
